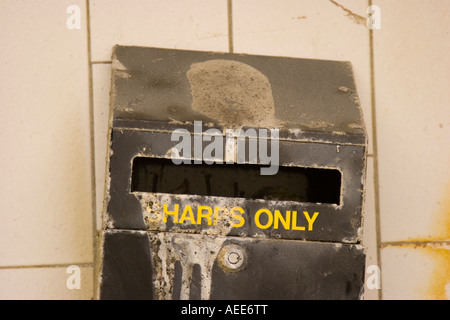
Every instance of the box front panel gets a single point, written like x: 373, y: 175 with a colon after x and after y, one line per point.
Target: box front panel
x: 315, y: 195
x: 166, y: 265
x: 224, y: 231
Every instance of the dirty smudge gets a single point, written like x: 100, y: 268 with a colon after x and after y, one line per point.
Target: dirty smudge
x: 189, y: 250
x: 231, y: 92
x: 298, y: 18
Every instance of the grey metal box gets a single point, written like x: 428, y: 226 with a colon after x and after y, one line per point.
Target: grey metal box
x: 215, y: 226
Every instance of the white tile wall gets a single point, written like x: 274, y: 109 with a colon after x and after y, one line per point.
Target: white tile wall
x: 45, y: 189
x: 412, y: 55
x: 46, y: 284
x: 194, y: 24
x: 47, y: 208
x: 416, y: 272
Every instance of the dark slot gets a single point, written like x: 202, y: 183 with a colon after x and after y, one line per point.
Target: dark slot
x: 299, y: 184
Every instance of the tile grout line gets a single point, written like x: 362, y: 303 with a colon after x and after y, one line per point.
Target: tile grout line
x: 416, y: 243
x: 230, y: 26
x: 92, y: 134
x: 62, y: 265
x: 376, y: 181
x: 101, y: 62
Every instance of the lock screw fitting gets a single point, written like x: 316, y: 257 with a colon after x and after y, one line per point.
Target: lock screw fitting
x: 232, y: 258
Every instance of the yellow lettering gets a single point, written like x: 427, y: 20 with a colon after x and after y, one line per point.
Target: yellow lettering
x: 201, y: 215
x: 187, y: 210
x: 294, y: 222
x: 237, y: 217
x: 269, y: 216
x: 174, y: 213
x: 279, y: 218
x: 310, y: 220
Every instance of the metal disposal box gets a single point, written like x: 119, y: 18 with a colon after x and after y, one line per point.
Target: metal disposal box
x: 232, y: 176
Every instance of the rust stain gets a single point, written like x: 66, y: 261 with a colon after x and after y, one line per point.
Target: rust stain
x: 441, y: 225
x: 437, y: 248
x: 439, y: 286
x: 443, y: 222
x: 438, y: 254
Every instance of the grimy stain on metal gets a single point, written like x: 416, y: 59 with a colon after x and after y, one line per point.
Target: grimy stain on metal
x: 223, y: 231
x: 231, y: 91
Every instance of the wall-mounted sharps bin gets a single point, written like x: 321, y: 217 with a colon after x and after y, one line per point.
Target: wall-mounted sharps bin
x: 232, y: 176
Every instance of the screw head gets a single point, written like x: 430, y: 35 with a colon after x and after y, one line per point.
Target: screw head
x: 232, y: 258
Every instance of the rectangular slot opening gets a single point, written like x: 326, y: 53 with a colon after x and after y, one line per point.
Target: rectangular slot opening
x: 158, y: 175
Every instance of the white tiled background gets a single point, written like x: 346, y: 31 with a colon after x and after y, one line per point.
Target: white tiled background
x: 54, y: 108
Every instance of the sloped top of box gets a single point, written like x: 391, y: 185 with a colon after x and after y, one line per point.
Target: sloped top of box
x: 164, y: 89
